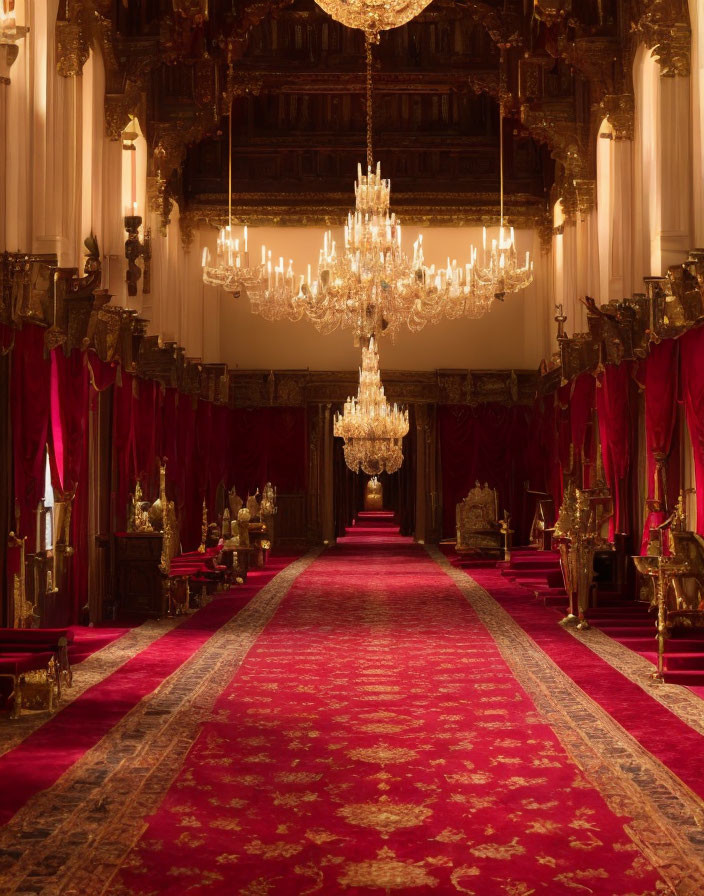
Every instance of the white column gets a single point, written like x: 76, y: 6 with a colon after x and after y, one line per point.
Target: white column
x: 696, y: 16
x: 675, y: 170
x: 621, y: 282
x: 17, y: 206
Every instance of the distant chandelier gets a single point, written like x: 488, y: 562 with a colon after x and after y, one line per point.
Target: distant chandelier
x: 373, y: 16
x: 500, y: 268
x: 373, y: 429
x: 231, y: 270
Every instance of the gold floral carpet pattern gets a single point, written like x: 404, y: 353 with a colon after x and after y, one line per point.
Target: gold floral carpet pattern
x: 372, y: 722
x: 384, y: 735
x: 72, y: 837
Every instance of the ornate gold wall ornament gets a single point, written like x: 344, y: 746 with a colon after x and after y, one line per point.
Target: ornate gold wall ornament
x: 663, y: 25
x: 586, y: 196
x: 619, y: 110
x: 118, y: 109
x: 72, y: 45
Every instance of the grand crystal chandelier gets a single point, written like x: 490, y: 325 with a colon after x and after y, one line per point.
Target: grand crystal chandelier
x: 372, y: 429
x: 371, y: 286
x: 373, y: 16
x: 233, y: 269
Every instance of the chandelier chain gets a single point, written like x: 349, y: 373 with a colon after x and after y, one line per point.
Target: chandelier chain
x: 370, y: 110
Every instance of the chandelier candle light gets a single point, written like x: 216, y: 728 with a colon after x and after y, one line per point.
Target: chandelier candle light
x: 372, y: 287
x: 232, y: 270
x: 373, y: 429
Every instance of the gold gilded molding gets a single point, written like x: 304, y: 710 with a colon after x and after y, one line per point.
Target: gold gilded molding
x: 663, y: 25
x: 618, y: 109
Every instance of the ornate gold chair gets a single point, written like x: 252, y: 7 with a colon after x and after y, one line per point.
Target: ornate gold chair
x: 479, y: 530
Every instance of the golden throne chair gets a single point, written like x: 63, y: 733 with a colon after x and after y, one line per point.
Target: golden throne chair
x: 479, y: 530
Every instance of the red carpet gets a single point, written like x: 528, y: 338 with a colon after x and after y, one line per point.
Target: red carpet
x: 681, y: 749
x: 43, y: 756
x: 89, y: 639
x: 375, y: 740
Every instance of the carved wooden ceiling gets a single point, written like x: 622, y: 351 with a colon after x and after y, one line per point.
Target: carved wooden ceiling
x: 297, y: 85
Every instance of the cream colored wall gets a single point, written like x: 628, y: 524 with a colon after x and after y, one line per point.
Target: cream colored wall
x: 514, y: 334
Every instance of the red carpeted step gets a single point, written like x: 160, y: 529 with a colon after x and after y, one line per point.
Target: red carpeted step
x: 690, y: 662
x: 691, y: 679
x: 537, y: 563
x: 557, y: 601
x: 622, y: 612
x: 631, y: 631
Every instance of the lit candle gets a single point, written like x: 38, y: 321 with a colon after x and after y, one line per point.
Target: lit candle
x: 133, y: 166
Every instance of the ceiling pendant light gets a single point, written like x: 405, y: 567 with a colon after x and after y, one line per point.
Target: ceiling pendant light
x: 500, y: 271
x: 372, y: 429
x: 373, y: 16
x: 232, y: 269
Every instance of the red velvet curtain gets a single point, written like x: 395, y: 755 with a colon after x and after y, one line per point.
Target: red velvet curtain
x: 30, y: 402
x: 68, y: 454
x: 546, y: 474
x: 268, y: 445
x: 491, y: 443
x: 123, y: 445
x: 146, y: 434
x: 582, y: 401
x: 614, y: 412
x: 692, y: 374
x: 183, y: 473
x: 661, y: 373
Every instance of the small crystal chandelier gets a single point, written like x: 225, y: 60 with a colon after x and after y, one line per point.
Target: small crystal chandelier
x: 499, y: 271
x: 232, y: 270
x: 373, y: 429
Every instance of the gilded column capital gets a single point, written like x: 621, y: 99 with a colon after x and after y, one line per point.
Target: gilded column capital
x: 586, y: 196
x: 618, y: 109
x: 663, y: 25
x: 117, y: 114
x: 72, y: 48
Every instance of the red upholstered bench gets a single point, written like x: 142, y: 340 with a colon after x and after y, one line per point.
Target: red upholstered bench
x: 16, y: 666
x: 36, y: 640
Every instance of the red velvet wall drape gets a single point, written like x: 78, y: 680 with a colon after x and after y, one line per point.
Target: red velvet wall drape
x: 660, y: 379
x: 492, y: 443
x: 692, y: 373
x: 30, y: 402
x: 615, y: 424
x: 268, y: 445
x: 581, y: 408
x: 68, y: 454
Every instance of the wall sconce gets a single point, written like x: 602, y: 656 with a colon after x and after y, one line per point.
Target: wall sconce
x: 10, y: 34
x: 134, y: 249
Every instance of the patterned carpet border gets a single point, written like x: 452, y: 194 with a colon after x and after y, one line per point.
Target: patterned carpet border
x: 687, y: 706
x: 73, y: 837
x: 667, y: 818
x: 92, y: 671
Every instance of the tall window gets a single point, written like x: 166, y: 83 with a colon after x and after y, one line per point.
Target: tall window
x: 48, y: 506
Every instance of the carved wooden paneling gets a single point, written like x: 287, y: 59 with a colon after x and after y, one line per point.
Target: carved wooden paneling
x: 250, y: 388
x: 291, y: 529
